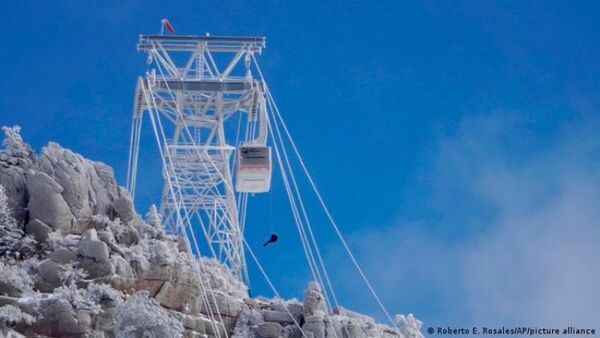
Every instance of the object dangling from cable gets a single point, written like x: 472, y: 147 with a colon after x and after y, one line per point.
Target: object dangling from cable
x: 272, y: 239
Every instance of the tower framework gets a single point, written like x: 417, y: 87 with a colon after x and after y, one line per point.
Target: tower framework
x: 193, y: 85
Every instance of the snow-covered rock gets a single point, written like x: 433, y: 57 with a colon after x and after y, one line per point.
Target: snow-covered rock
x: 269, y: 330
x: 314, y: 303
x: 46, y: 202
x: 88, y: 187
x: 38, y: 229
x: 93, y: 257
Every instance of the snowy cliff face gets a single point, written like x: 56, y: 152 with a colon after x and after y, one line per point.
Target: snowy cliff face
x: 76, y: 260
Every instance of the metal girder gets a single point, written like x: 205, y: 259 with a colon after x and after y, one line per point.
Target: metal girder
x: 205, y: 85
x: 181, y: 43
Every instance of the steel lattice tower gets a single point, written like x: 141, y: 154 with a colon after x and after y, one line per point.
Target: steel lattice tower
x: 188, y: 98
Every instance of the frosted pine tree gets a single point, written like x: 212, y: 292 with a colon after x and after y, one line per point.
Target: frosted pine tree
x: 71, y: 274
x: 142, y: 316
x: 11, y: 315
x: 16, y: 152
x: 10, y: 233
x: 153, y: 218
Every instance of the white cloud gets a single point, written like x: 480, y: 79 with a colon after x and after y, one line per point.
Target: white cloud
x: 524, y: 207
x: 538, y: 263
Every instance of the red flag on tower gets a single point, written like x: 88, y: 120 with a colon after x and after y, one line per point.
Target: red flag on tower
x: 167, y: 24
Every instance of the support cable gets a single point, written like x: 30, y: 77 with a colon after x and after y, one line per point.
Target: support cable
x: 303, y: 238
x: 306, y: 219
x: 295, y: 214
x: 322, y: 202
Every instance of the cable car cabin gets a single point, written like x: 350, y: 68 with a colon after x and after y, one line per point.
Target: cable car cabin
x: 253, y: 169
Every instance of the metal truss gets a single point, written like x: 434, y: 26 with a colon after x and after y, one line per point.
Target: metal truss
x: 188, y: 98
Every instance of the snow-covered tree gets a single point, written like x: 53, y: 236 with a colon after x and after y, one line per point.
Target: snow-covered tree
x: 70, y: 274
x: 97, y: 334
x: 103, y: 292
x: 124, y: 234
x: 10, y: 232
x: 142, y: 316
x: 15, y: 150
x: 153, y: 217
x: 80, y: 299
x: 218, y: 277
x: 15, y: 280
x: 409, y: 326
x: 11, y: 315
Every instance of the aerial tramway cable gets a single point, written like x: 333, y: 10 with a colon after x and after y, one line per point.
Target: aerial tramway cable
x: 279, y: 119
x: 315, y: 269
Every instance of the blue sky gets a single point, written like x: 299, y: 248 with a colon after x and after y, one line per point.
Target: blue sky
x: 448, y: 138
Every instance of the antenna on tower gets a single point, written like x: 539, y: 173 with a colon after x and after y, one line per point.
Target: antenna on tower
x: 164, y: 23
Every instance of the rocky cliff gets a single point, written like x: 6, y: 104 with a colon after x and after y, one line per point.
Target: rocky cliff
x: 76, y: 260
